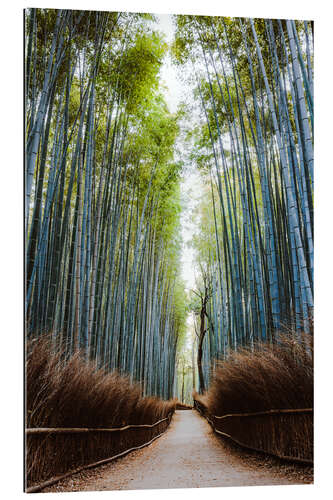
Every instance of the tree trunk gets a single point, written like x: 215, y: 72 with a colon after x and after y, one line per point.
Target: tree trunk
x: 201, y: 339
x: 193, y: 367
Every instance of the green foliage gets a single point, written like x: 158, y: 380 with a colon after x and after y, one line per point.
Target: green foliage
x: 136, y: 70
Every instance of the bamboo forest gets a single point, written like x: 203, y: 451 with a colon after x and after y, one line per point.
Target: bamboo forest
x: 169, y: 231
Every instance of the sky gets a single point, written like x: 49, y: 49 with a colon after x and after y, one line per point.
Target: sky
x: 168, y: 71
x: 190, y: 185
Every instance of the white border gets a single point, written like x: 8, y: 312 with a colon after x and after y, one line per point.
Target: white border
x: 11, y: 244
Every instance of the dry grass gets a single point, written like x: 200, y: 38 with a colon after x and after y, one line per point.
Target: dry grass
x: 276, y: 376
x: 183, y: 406
x: 272, y: 377
x: 73, y: 393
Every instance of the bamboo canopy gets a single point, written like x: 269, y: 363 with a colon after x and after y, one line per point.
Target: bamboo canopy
x: 102, y: 187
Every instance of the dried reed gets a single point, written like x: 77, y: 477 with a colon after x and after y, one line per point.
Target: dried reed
x: 271, y: 377
x: 274, y: 376
x: 73, y: 394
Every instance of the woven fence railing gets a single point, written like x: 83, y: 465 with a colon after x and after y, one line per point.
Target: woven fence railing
x: 284, y: 433
x: 55, y: 453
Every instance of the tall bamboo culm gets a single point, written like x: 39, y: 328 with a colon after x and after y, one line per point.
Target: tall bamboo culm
x: 102, y: 249
x: 254, y: 85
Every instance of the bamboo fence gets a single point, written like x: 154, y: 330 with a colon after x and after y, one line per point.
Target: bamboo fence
x: 284, y: 433
x: 53, y: 454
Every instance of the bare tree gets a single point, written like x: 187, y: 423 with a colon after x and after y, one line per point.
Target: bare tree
x: 204, y: 292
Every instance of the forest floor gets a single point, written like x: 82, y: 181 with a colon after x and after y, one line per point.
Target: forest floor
x: 188, y: 455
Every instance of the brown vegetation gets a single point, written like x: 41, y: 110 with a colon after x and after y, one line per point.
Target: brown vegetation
x: 272, y: 377
x: 183, y: 406
x: 73, y: 394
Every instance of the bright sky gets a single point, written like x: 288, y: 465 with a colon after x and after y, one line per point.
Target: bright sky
x: 190, y: 185
x: 168, y: 72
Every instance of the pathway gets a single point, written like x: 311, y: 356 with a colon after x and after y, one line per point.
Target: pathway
x: 188, y: 455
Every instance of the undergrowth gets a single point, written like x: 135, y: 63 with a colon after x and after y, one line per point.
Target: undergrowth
x: 74, y: 394
x: 272, y: 376
x: 275, y: 376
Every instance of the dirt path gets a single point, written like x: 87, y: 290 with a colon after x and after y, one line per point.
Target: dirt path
x: 188, y: 455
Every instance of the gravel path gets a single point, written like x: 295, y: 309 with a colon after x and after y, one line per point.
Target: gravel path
x: 188, y: 455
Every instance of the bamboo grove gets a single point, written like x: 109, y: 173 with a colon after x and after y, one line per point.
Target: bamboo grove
x: 102, y: 197
x: 103, y: 188
x: 253, y: 141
